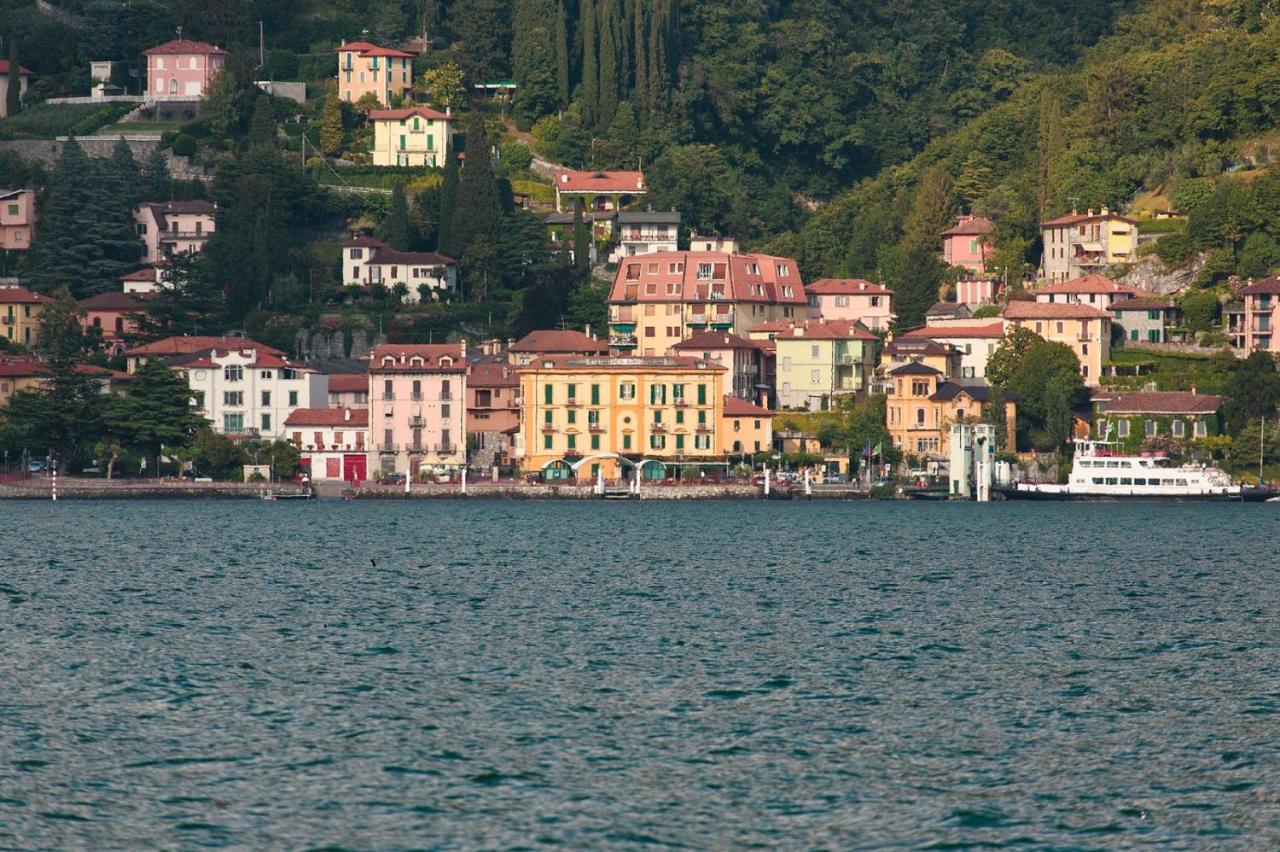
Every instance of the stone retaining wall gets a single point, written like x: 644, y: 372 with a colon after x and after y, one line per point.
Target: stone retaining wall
x: 46, y: 151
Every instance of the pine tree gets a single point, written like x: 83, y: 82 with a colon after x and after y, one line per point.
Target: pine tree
x: 156, y: 180
x: 220, y: 110
x: 562, y: 51
x: 478, y: 211
x: 331, y: 132
x: 123, y: 176
x: 13, y: 96
x: 931, y: 211
x: 610, y: 59
x: 445, y: 242
x: 396, y: 228
x: 975, y: 181
x: 262, y: 127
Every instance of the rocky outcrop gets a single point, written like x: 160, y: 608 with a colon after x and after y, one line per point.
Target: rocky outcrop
x: 1150, y: 274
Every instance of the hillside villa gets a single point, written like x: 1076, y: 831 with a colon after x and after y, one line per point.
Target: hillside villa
x: 414, y: 136
x: 1091, y: 289
x: 1082, y: 328
x: 20, y: 314
x: 967, y: 245
x: 1131, y: 417
x: 923, y: 402
x: 182, y: 69
x: 168, y: 228
x: 1079, y: 244
x: 644, y: 232
x: 597, y: 190
x: 1143, y: 320
x: 426, y: 274
x: 244, y: 391
x: 367, y: 69
x: 17, y: 218
x: 975, y: 343
x: 659, y: 299
x: 417, y: 408
x: 1252, y: 325
x: 114, y: 315
x: 851, y: 300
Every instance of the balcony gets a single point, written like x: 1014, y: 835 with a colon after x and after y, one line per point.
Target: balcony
x: 572, y: 403
x: 446, y: 396
x: 680, y: 402
x: 416, y: 422
x: 697, y: 320
x: 173, y: 236
x: 921, y: 427
x: 703, y: 428
x: 388, y: 397
x: 623, y: 326
x: 660, y: 428
x: 7, y: 319
x: 416, y: 396
x: 595, y: 427
x: 416, y: 447
x: 388, y: 448
x: 722, y: 321
x: 623, y: 341
x: 548, y: 427
x: 446, y: 449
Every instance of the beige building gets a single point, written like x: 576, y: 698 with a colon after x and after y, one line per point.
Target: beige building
x: 24, y: 80
x: 174, y: 227
x: 1079, y: 244
x: 1082, y: 328
x: 659, y: 299
x: 415, y: 136
x: 365, y: 68
x: 17, y: 219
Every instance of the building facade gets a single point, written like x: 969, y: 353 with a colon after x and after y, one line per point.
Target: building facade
x: 417, y: 408
x: 24, y: 81
x: 249, y: 392
x: 740, y: 357
x: 1080, y: 244
x: 1084, y: 329
x: 820, y: 361
x: 333, y: 442
x: 20, y: 315
x: 182, y: 69
x: 174, y: 227
x: 553, y: 341
x: 1143, y: 320
x: 598, y: 191
x: 975, y: 343
x: 115, y: 316
x: 613, y: 416
x: 1093, y: 289
x: 968, y: 245
x: 414, y: 136
x: 348, y: 390
x: 1136, y: 418
x: 367, y: 69
x: 367, y: 262
x: 17, y: 219
x: 645, y: 232
x: 745, y: 428
x: 1252, y: 325
x: 493, y: 411
x: 851, y: 300
x: 659, y: 299
x: 923, y: 403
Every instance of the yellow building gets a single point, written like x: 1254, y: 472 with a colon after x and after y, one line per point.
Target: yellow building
x: 20, y: 315
x: 415, y: 136
x: 820, y: 361
x: 367, y: 69
x: 583, y: 416
x: 922, y: 403
x: 1088, y: 242
x: 1084, y: 329
x: 746, y: 428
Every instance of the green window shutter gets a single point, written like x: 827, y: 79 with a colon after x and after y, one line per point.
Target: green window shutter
x: 702, y: 417
x: 573, y: 416
x: 626, y: 442
x: 702, y: 394
x: 573, y: 442
x: 546, y: 394
x: 546, y: 442
x: 657, y: 416
x: 595, y: 442
x: 679, y: 415
x: 595, y: 394
x: 546, y: 417
x: 679, y: 442
x: 573, y: 393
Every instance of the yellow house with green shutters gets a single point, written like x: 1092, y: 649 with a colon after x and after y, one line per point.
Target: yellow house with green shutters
x: 416, y: 136
x: 819, y: 361
x: 586, y: 415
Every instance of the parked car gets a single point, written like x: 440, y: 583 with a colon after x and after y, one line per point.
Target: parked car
x: 38, y: 466
x: 391, y: 479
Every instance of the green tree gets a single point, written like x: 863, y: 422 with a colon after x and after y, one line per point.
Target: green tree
x: 1010, y: 352
x: 71, y: 419
x: 478, y: 211
x: 484, y: 31
x: 975, y: 180
x: 13, y: 94
x: 216, y: 455
x: 156, y: 180
x: 1049, y: 145
x: 332, y: 135
x: 445, y: 87
x: 262, y: 127
x: 397, y: 230
x: 535, y: 60
x: 697, y: 181
x: 1253, y: 391
x: 156, y: 413
x: 221, y: 108
x: 581, y: 242
x: 446, y: 241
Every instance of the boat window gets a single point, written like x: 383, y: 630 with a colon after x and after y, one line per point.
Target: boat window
x: 1097, y: 480
x: 1124, y: 480
x: 1111, y: 480
x: 1182, y: 482
x: 1138, y: 480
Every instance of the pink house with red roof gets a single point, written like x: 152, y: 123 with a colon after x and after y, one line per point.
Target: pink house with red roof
x: 333, y: 442
x: 417, y: 408
x: 659, y: 299
x: 182, y: 69
x: 852, y: 300
x: 368, y: 69
x: 968, y: 244
x: 741, y: 357
x: 427, y: 275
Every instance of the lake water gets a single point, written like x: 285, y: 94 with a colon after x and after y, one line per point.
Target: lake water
x: 607, y: 675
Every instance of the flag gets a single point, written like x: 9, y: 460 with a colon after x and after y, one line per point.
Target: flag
x: 879, y: 451
x: 866, y: 452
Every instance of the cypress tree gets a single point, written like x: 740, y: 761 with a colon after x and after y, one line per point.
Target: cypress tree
x: 640, y: 54
x: 395, y: 225
x: 262, y: 128
x: 445, y: 242
x: 1049, y: 146
x: 590, y: 66
x: 478, y: 211
x: 581, y: 243
x: 607, y: 25
x: 124, y: 177
x: 156, y: 180
x: 331, y: 132
x: 562, y: 52
x: 13, y: 97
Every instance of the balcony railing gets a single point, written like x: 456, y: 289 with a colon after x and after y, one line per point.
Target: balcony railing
x: 547, y: 427
x: 446, y: 448
x: 388, y: 397
x: 416, y: 422
x: 416, y: 447
x: 595, y: 427
x: 7, y: 320
x: 660, y: 428
x: 680, y: 401
x: 387, y: 448
x: 446, y: 396
x: 169, y: 236
x: 623, y: 341
x: 416, y: 396
x: 703, y: 427
x: 572, y: 403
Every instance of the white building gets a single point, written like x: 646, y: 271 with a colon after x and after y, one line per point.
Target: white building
x: 366, y: 262
x: 174, y: 227
x: 645, y: 231
x: 333, y: 442
x: 251, y: 392
x: 976, y: 343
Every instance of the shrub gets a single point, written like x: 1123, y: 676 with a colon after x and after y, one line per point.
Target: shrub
x: 184, y: 145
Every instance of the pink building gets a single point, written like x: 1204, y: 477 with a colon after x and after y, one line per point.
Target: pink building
x: 1252, y: 325
x: 742, y: 358
x: 115, y: 315
x: 967, y: 245
x: 17, y: 219
x: 417, y: 408
x: 975, y: 293
x: 852, y: 300
x: 182, y: 69
x: 174, y: 227
x: 333, y: 442
x: 348, y: 390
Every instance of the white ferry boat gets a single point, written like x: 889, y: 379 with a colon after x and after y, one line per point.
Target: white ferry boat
x: 1103, y: 472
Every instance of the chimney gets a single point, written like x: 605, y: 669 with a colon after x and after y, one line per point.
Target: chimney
x: 1104, y: 211
x: 588, y: 331
x: 448, y: 110
x: 564, y: 177
x: 346, y: 414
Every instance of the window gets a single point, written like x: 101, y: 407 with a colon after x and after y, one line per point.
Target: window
x: 1179, y: 429
x: 919, y: 387
x: 235, y: 398
x: 627, y: 390
x: 547, y: 417
x: 572, y: 442
x: 679, y: 415
x: 547, y: 395
x: 1151, y: 428
x: 679, y: 442
x: 657, y: 394
x: 1201, y: 429
x: 657, y: 442
x: 266, y: 423
x: 626, y: 442
x: 445, y: 410
x: 595, y: 394
x: 704, y: 271
x: 1100, y: 429
x: 546, y: 441
x: 293, y: 399
x: 266, y: 398
x: 842, y: 301
x: 572, y: 415
x: 233, y: 373
x: 702, y: 442
x: 232, y: 422
x: 657, y: 416
x: 595, y: 442
x: 633, y: 271
x: 1084, y: 349
x: 814, y: 377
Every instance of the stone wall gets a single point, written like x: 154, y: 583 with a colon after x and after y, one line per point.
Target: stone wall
x: 47, y: 150
x: 323, y: 344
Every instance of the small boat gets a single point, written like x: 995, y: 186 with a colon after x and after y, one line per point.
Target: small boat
x: 1102, y: 471
x: 273, y: 496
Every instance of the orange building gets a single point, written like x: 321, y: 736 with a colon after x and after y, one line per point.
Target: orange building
x: 365, y: 68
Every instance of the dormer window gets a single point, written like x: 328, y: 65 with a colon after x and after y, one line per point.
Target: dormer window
x: 388, y: 361
x: 704, y: 271
x: 446, y: 361
x: 416, y: 361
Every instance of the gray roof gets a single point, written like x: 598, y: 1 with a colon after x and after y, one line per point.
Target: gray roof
x: 663, y: 217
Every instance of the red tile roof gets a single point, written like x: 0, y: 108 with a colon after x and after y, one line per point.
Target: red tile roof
x: 408, y: 112
x: 1156, y: 402
x: 703, y: 340
x: 845, y: 287
x: 942, y: 332
x: 364, y: 48
x: 726, y: 278
x: 354, y: 418
x: 737, y: 407
x: 491, y: 374
x: 418, y: 358
x: 112, y: 302
x: 194, y: 344
x: 146, y: 273
x: 1092, y: 283
x: 559, y: 341
x: 1055, y: 310
x: 183, y: 46
x: 1265, y: 286
x: 21, y: 296
x: 22, y: 69
x: 1080, y: 218
x: 629, y: 183
x: 825, y: 330
x: 971, y: 226
x: 348, y: 382
x: 19, y: 367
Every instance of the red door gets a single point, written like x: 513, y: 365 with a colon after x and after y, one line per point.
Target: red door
x: 354, y: 467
